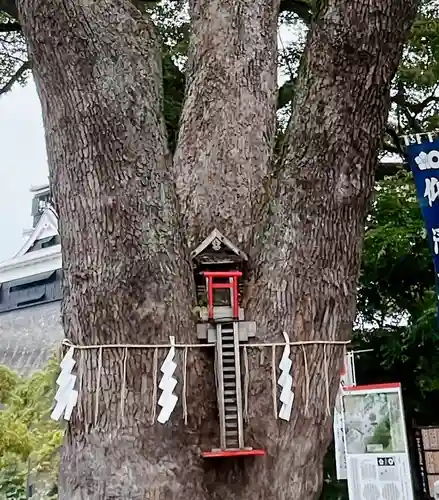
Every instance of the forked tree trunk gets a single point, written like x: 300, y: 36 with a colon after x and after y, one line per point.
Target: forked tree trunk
x: 228, y: 122
x: 128, y: 279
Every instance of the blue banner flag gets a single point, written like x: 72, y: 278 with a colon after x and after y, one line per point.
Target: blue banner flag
x: 423, y: 160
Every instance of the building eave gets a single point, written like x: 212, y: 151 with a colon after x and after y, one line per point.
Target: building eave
x: 39, y: 261
x: 39, y: 188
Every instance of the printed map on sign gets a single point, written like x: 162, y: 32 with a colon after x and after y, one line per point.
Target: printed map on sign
x: 378, y: 466
x: 373, y: 423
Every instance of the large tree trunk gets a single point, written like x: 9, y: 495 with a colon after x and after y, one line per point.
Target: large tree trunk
x: 228, y: 121
x: 307, y: 258
x: 128, y: 280
x: 306, y: 243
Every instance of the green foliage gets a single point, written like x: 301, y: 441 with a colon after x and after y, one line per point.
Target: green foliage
x: 172, y: 21
x: 29, y: 440
x: 416, y: 102
x: 420, y: 65
x: 13, y: 483
x: 397, y: 268
x: 397, y: 299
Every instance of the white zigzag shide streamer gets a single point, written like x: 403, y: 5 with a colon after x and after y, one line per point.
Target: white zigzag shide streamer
x: 66, y: 397
x: 168, y: 400
x: 286, y: 382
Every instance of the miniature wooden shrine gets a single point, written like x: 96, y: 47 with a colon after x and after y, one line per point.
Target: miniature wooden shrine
x: 218, y: 266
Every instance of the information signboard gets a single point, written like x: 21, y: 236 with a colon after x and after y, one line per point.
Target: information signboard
x: 377, y: 458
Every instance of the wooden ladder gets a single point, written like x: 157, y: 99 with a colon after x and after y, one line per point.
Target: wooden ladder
x: 229, y: 386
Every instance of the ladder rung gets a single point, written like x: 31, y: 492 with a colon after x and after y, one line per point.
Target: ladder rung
x: 232, y: 416
x: 231, y: 423
x: 228, y: 384
x: 230, y: 393
x: 230, y: 368
x: 231, y: 433
x: 230, y: 400
x: 226, y: 330
x: 229, y: 377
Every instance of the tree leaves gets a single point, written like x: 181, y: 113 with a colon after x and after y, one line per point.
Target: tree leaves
x: 26, y: 432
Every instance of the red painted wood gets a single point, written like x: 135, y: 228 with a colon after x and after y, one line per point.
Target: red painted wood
x: 222, y: 274
x: 210, y: 276
x: 235, y: 297
x: 210, y: 296
x: 232, y: 453
x: 391, y: 385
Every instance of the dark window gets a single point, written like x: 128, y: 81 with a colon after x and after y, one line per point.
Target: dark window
x: 40, y: 288
x: 50, y: 241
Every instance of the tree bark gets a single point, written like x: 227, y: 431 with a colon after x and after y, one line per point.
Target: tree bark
x: 306, y: 257
x: 306, y: 244
x: 128, y: 280
x: 127, y: 277
x: 228, y: 121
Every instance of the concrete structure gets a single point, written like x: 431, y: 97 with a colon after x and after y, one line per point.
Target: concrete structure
x: 30, y: 293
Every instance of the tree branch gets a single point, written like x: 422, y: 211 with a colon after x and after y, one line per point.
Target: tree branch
x: 396, y: 147
x: 9, y: 27
x: 14, y: 79
x: 412, y: 121
x: 301, y: 8
x: 285, y: 94
x: 414, y: 108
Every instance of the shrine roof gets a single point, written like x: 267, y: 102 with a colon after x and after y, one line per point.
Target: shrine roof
x: 217, y: 242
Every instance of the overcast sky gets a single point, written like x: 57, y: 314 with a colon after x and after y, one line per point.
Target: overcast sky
x: 23, y: 163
